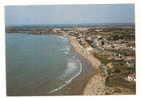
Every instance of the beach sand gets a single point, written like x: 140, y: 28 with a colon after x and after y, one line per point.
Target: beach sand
x: 78, y: 84
x: 96, y: 84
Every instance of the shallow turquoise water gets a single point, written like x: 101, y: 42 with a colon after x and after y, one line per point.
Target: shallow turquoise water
x: 39, y: 64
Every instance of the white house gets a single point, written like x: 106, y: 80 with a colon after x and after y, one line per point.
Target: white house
x: 89, y: 49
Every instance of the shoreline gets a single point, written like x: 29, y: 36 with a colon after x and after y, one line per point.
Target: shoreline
x: 96, y: 84
x: 109, y: 68
x: 92, y: 80
x: 77, y: 84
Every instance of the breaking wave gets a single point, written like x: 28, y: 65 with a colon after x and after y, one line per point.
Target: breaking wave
x: 72, y: 67
x: 62, y: 38
x: 66, y: 50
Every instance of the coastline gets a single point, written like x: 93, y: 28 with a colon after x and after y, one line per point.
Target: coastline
x: 91, y: 81
x: 96, y: 84
x: 108, y: 61
x: 77, y: 84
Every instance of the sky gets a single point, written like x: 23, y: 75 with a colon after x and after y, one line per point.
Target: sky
x: 69, y: 14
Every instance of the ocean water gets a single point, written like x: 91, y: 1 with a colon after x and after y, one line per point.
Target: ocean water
x: 39, y: 64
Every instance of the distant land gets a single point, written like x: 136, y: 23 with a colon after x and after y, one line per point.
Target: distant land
x: 74, y: 25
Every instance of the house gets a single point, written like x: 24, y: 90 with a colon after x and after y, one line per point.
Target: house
x: 89, y: 38
x: 110, y: 57
x: 98, y: 30
x: 108, y: 46
x: 89, y: 49
x: 132, y: 77
x: 131, y: 63
x: 118, y: 58
x: 96, y: 43
x: 110, y: 65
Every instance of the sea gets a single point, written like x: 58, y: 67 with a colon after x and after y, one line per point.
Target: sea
x: 39, y: 65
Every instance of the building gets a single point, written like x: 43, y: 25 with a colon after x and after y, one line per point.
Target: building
x: 131, y: 63
x: 132, y: 77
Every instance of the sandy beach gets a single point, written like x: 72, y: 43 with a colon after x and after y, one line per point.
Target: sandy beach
x: 96, y: 84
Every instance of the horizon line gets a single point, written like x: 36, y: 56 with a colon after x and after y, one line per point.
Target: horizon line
x: 81, y: 24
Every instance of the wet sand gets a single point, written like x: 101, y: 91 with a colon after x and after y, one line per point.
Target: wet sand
x: 77, y: 85
x: 96, y: 84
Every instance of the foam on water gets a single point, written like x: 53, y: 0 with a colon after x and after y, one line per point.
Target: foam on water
x: 71, y: 67
x: 46, y: 46
x: 62, y: 38
x: 65, y: 50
